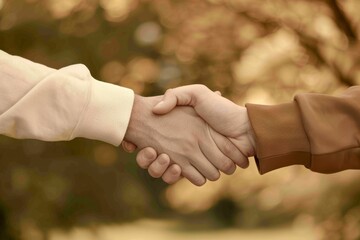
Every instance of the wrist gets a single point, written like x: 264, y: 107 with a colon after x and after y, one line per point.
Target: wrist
x: 141, y: 125
x: 250, y: 132
x: 135, y: 122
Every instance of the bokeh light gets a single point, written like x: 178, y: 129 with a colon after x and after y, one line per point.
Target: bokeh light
x: 148, y: 33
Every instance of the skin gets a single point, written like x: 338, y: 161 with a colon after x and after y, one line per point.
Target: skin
x: 227, y: 118
x: 182, y: 139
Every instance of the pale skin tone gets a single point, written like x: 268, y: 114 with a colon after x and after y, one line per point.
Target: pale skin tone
x: 182, y: 139
x: 227, y: 118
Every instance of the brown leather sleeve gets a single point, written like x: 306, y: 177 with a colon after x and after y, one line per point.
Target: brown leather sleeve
x: 318, y: 131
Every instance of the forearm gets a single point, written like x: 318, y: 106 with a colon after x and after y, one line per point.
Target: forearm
x: 54, y: 105
x: 318, y: 131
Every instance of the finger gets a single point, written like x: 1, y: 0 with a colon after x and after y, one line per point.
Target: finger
x: 205, y: 167
x: 145, y: 157
x: 168, y: 102
x: 193, y: 175
x: 159, y: 166
x: 216, y: 156
x: 172, y: 174
x: 181, y: 96
x: 229, y: 149
x: 218, y: 93
x: 128, y: 146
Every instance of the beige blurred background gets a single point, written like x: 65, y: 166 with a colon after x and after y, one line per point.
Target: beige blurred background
x: 259, y: 51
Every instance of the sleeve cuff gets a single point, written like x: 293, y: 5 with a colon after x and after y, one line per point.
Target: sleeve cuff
x: 279, y: 135
x: 107, y: 114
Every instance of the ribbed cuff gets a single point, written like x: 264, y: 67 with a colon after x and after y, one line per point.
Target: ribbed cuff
x: 107, y: 114
x: 280, y: 137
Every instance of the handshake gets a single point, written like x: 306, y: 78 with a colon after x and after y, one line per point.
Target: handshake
x: 189, y: 132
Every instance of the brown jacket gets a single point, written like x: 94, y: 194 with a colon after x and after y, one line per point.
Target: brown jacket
x: 318, y: 131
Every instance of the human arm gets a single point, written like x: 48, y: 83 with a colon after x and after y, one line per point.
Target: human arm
x: 318, y: 131
x: 42, y: 103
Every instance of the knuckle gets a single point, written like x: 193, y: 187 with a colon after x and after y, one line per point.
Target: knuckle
x: 141, y: 162
x: 214, y: 176
x: 170, y: 179
x: 202, y: 91
x: 201, y: 87
x: 155, y: 173
x: 227, y: 166
x: 175, y: 170
x: 244, y: 163
x: 199, y: 182
x: 149, y: 154
x: 169, y: 91
x: 228, y: 149
x: 163, y: 160
x: 193, y: 175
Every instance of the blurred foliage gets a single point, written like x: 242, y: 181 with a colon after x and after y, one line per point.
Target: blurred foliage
x: 262, y: 51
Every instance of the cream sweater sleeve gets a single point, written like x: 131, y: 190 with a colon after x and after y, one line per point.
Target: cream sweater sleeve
x: 37, y: 102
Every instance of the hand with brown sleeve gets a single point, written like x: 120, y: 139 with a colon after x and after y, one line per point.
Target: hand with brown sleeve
x: 318, y: 131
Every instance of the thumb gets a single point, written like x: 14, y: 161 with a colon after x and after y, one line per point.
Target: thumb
x: 128, y: 146
x: 171, y: 98
x: 180, y: 96
x: 167, y: 103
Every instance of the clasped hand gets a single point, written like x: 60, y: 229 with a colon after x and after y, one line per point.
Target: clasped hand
x: 189, y: 132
